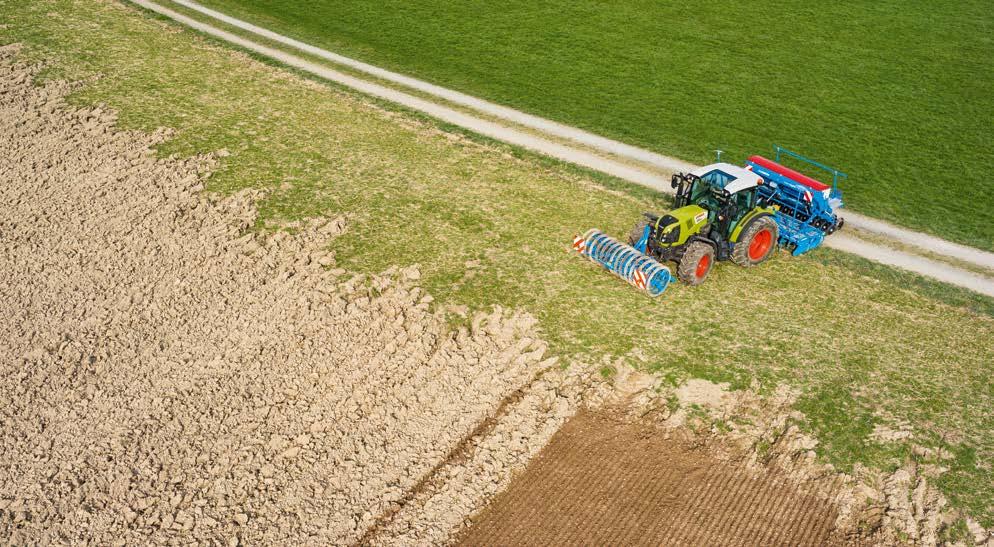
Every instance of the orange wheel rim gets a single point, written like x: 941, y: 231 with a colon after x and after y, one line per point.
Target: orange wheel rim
x: 760, y: 245
x: 702, y: 266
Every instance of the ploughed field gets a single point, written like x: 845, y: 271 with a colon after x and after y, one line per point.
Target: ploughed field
x: 165, y: 374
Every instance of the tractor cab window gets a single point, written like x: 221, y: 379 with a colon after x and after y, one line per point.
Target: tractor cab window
x: 700, y: 189
x: 717, y: 179
x: 713, y: 183
x: 744, y: 200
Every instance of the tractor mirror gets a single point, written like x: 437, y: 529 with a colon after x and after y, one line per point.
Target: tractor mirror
x: 675, y: 181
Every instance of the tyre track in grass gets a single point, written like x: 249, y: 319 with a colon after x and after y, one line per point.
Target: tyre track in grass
x: 592, y: 151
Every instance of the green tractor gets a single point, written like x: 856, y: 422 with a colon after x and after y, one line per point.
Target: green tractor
x: 719, y: 215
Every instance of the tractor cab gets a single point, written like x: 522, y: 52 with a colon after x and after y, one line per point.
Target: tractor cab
x: 715, y: 185
x: 727, y: 192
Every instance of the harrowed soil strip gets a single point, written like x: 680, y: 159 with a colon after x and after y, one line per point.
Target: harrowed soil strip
x: 601, y: 481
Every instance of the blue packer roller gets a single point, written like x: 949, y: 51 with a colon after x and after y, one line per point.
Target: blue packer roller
x: 626, y: 262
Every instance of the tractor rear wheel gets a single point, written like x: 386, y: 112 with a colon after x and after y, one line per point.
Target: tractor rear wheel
x: 696, y: 263
x: 757, y: 242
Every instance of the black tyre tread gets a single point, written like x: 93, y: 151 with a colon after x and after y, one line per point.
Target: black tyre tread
x: 686, y: 270
x: 740, y: 253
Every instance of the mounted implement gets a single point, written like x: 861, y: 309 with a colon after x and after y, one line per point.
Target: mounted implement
x: 806, y: 206
x: 626, y: 262
x: 723, y: 212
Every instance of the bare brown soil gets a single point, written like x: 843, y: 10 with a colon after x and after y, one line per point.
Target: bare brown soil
x: 602, y: 481
x: 166, y: 374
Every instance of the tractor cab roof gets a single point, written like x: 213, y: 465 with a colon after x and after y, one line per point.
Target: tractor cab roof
x: 730, y: 178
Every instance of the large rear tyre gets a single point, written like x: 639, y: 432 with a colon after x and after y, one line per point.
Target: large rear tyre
x: 696, y: 263
x: 757, y: 242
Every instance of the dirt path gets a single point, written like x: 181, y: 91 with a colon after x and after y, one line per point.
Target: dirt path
x: 602, y: 482
x: 515, y: 116
x: 931, y: 268
x: 595, y: 152
x: 167, y: 376
x: 926, y: 242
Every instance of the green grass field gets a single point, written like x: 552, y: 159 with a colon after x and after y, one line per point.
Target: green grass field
x: 490, y: 225
x: 895, y: 93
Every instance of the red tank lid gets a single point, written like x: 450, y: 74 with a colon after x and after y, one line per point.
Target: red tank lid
x: 789, y: 173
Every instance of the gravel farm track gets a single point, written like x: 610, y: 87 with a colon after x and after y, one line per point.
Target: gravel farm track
x: 580, y: 147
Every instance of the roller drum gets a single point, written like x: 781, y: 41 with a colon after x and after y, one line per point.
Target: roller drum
x: 625, y: 261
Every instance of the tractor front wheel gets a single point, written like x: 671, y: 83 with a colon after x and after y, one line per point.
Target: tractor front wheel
x: 696, y: 263
x: 757, y: 242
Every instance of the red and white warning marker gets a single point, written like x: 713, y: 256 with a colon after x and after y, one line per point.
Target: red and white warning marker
x: 579, y: 244
x: 638, y: 279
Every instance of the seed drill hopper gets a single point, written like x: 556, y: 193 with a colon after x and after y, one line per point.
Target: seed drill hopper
x: 806, y: 206
x: 723, y: 212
